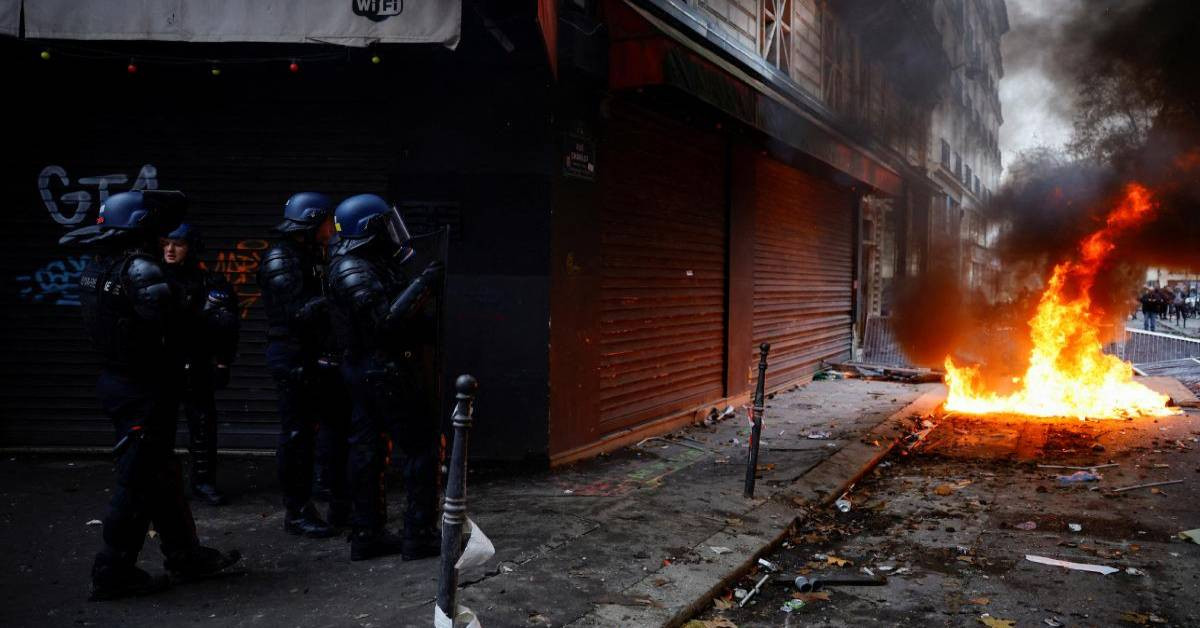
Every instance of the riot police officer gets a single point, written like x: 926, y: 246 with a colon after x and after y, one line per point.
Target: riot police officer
x: 300, y: 355
x: 379, y: 298
x: 211, y: 320
x: 129, y: 310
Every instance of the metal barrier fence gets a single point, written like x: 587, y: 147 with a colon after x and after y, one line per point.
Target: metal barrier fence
x: 1140, y: 346
x: 879, y: 344
x: 1132, y: 345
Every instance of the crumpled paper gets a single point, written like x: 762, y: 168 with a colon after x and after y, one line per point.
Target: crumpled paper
x: 478, y: 551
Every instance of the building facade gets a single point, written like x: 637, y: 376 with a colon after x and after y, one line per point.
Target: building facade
x: 964, y: 138
x: 639, y: 194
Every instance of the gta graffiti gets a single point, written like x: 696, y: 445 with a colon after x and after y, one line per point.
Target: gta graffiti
x: 240, y: 266
x: 69, y: 206
x: 56, y: 283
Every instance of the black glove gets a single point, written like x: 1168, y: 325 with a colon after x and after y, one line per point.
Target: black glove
x: 316, y: 307
x: 220, y: 376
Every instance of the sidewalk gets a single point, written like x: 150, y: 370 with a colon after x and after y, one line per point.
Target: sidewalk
x: 623, y: 539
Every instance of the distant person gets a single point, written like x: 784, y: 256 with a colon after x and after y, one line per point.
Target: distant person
x: 210, y: 318
x: 1150, y: 306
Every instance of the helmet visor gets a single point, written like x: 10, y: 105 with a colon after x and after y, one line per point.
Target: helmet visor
x: 396, y: 229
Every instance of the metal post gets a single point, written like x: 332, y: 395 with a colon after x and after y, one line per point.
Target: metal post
x: 454, y: 510
x: 758, y: 408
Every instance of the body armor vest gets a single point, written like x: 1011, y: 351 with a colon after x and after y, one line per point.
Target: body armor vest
x: 289, y: 278
x: 123, y: 339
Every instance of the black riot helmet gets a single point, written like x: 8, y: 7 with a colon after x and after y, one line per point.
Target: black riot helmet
x: 305, y: 211
x: 366, y: 218
x: 140, y: 214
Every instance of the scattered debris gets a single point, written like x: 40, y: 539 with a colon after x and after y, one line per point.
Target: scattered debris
x: 94, y: 522
x: 756, y: 589
x: 1142, y: 619
x: 1093, y: 467
x: 820, y: 435
x: 1148, y: 485
x: 1075, y: 527
x: 944, y: 489
x: 792, y: 605
x: 719, y: 622
x: 1191, y: 535
x: 1079, y: 477
x: 812, y: 596
x: 993, y: 622
x: 839, y: 562
x: 843, y: 504
x: 768, y: 565
x: 1101, y: 569
x: 1026, y: 525
x: 718, y: 550
x: 681, y: 441
x: 1134, y: 571
x: 807, y: 585
x: 1053, y: 622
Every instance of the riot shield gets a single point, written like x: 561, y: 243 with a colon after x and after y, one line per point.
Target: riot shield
x: 429, y: 247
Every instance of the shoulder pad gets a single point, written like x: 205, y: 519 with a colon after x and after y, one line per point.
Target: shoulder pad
x: 281, y: 271
x: 355, y: 282
x: 148, y: 288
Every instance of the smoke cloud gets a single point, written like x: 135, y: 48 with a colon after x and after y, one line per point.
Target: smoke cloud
x: 1125, y: 74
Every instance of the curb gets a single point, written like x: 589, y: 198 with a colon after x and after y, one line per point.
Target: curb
x: 695, y: 584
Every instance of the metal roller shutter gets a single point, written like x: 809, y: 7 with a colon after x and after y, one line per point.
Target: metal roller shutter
x: 663, y: 242
x: 237, y: 148
x: 803, y: 270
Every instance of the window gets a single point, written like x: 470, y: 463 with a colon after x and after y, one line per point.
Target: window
x: 966, y: 179
x: 957, y: 166
x: 946, y: 154
x: 775, y: 38
x: 977, y: 192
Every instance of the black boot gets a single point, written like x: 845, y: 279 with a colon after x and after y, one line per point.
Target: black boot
x: 200, y: 562
x: 423, y: 544
x: 209, y: 493
x: 110, y: 582
x: 306, y: 522
x: 368, y: 544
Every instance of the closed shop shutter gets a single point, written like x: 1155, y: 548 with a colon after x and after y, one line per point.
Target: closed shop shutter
x: 663, y: 245
x: 803, y: 270
x: 238, y: 147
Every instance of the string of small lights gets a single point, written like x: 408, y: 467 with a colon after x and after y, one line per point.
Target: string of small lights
x: 135, y: 63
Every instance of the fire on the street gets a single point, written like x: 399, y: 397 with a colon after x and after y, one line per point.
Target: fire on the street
x: 1069, y: 375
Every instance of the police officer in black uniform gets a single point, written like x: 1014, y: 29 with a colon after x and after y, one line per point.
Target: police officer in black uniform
x: 211, y: 321
x: 379, y: 299
x: 299, y: 354
x: 130, y: 310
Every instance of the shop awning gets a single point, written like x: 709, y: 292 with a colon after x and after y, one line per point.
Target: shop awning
x: 343, y: 22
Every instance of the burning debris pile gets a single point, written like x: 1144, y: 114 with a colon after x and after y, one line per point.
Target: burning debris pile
x: 1069, y: 375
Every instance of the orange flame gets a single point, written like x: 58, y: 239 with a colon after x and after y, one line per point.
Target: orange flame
x: 1069, y: 374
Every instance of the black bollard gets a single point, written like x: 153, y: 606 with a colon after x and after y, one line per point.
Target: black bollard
x: 454, y: 509
x: 757, y: 410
